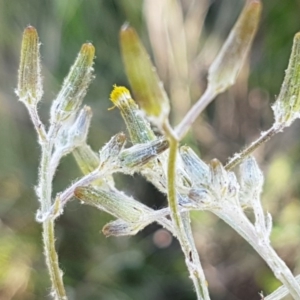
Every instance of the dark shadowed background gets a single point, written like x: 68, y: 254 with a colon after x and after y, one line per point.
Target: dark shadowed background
x: 150, y: 265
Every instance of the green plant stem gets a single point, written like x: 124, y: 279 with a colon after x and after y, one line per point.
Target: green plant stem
x: 183, y: 230
x: 194, y: 112
x: 58, y: 289
x: 266, y: 136
x: 45, y: 189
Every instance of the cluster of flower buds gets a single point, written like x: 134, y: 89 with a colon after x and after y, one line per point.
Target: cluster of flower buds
x: 189, y: 181
x: 212, y: 186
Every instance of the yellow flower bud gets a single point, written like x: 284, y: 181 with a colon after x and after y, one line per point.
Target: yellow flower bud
x: 139, y: 129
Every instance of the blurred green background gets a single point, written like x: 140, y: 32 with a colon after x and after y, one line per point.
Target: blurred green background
x: 150, y: 265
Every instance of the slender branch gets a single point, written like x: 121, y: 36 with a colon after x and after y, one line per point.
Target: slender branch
x: 68, y: 193
x: 173, y: 202
x: 56, y: 157
x: 281, y: 292
x: 183, y: 229
x: 45, y: 188
x: 159, y: 216
x: 266, y: 136
x: 199, y: 273
x: 55, y: 272
x: 194, y: 112
x: 63, y: 197
x: 260, y: 222
x: 37, y: 123
x: 239, y: 222
x: 30, y: 92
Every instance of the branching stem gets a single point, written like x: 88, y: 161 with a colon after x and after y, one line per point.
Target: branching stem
x: 239, y: 222
x: 266, y: 136
x: 281, y: 292
x: 45, y: 188
x: 194, y: 112
x: 183, y: 230
x: 37, y: 123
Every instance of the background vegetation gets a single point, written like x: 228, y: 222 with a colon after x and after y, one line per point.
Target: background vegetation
x: 150, y: 265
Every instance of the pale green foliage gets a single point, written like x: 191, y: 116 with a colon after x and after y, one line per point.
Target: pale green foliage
x: 189, y: 182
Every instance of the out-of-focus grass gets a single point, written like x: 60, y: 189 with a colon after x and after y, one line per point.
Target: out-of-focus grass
x: 136, y: 268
